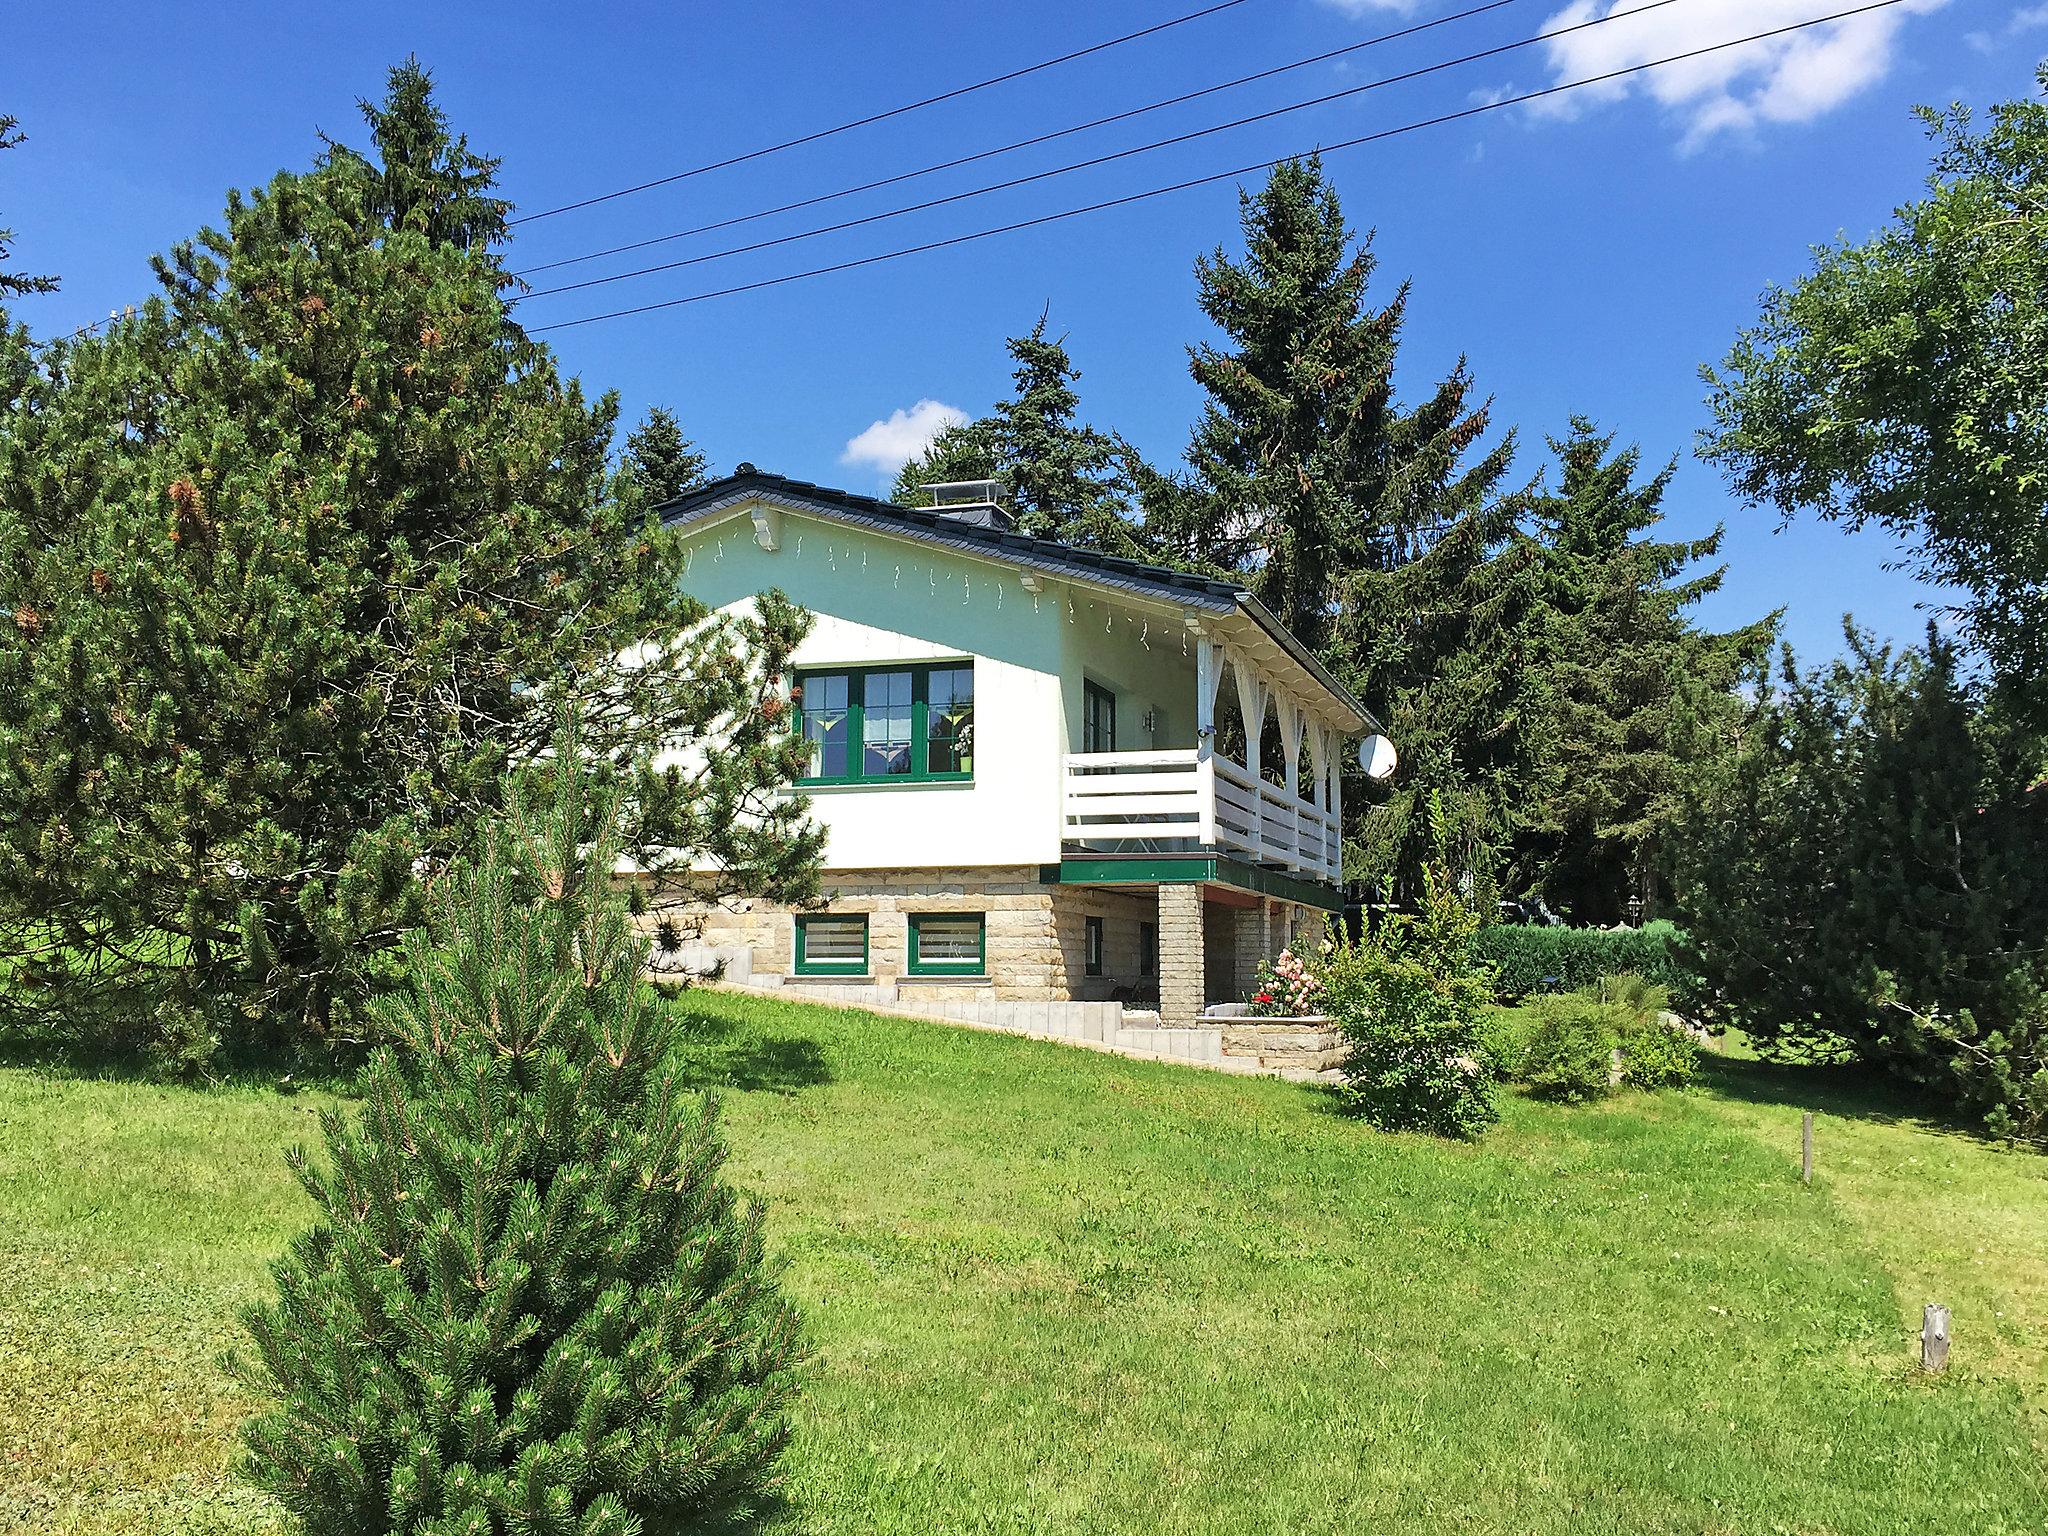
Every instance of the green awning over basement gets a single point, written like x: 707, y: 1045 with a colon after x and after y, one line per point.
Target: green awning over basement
x: 1206, y: 868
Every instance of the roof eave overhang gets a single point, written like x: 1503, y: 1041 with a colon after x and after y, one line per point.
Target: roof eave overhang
x: 1303, y: 657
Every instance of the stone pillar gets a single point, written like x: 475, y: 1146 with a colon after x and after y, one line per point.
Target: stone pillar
x: 1182, y: 981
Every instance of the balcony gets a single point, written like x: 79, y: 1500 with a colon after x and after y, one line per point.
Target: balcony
x: 1195, y: 801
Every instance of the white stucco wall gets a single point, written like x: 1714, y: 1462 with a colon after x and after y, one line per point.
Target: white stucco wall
x: 1147, y: 662
x: 877, y: 600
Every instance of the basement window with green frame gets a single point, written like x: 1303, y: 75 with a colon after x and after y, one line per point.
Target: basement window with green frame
x: 831, y: 944
x: 887, y: 725
x: 948, y: 944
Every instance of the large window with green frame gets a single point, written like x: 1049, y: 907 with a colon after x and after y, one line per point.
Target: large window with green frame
x: 831, y: 944
x: 883, y: 725
x: 948, y: 944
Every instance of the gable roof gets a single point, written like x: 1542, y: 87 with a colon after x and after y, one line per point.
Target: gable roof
x: 928, y: 526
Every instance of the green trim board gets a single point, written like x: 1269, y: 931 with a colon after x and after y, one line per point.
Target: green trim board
x: 1208, y: 868
x: 921, y: 964
x: 837, y: 964
x: 847, y: 696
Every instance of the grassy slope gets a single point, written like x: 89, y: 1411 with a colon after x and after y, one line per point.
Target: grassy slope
x: 1053, y: 1290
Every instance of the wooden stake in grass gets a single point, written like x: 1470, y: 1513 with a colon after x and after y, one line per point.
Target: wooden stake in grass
x: 1806, y: 1147
x: 1934, y: 1338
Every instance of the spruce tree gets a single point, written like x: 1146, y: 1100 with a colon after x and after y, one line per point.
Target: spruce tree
x: 659, y: 461
x: 1376, y: 532
x: 1632, y: 686
x: 1067, y: 482
x: 529, y: 1302
x: 296, y: 560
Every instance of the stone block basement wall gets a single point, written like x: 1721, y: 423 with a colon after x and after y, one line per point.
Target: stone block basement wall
x: 1036, y: 933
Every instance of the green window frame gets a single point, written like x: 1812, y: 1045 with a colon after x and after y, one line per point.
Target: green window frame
x: 835, y: 961
x: 1098, y: 717
x: 903, y: 724
x: 1091, y: 958
x: 937, y: 947
x: 1148, y: 949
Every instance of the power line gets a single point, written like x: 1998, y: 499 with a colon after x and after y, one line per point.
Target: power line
x: 1202, y: 181
x: 1091, y: 163
x: 809, y: 138
x: 878, y: 117
x: 1035, y: 140
x: 91, y: 328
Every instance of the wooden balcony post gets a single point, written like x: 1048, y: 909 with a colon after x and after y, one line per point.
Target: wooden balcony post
x: 1207, y: 676
x: 1337, y: 807
x: 1290, y: 752
x: 1251, y: 705
x: 1319, y: 739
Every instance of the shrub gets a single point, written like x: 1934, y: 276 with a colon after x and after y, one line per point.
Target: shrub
x: 1505, y: 1034
x: 1531, y: 959
x: 1644, y: 999
x: 1570, y: 1053
x: 530, y: 1302
x: 1655, y: 1055
x: 1412, y: 1004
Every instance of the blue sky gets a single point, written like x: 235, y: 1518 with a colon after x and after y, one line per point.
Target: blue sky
x: 1588, y: 257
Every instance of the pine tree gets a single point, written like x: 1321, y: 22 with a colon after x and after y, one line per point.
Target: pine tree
x: 659, y: 461
x: 1066, y: 482
x: 1632, y: 685
x: 529, y: 1302
x: 1378, y: 534
x: 17, y: 284
x: 296, y: 560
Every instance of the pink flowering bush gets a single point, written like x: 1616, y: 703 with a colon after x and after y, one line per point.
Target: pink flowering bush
x: 1286, y: 988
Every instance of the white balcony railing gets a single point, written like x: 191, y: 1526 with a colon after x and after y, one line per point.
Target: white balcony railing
x: 1173, y: 801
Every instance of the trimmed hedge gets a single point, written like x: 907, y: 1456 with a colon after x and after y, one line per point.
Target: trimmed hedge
x: 1530, y: 960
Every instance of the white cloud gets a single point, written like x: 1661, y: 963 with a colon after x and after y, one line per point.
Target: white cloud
x: 2024, y: 20
x: 1792, y: 78
x: 887, y: 445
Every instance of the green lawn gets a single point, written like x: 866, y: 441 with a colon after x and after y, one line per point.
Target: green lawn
x: 1052, y: 1290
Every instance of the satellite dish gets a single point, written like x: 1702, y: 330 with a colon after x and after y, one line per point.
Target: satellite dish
x: 1376, y: 755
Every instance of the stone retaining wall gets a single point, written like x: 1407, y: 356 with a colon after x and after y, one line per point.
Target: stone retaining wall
x: 1289, y: 1048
